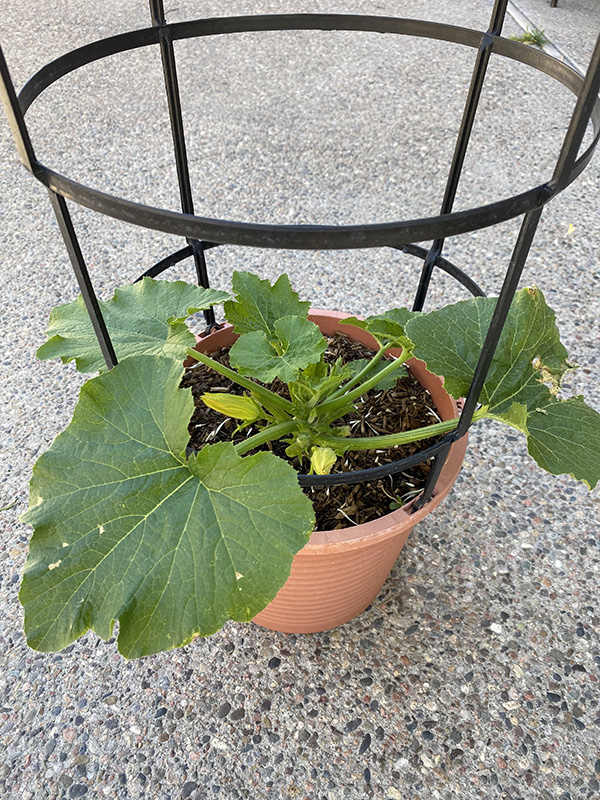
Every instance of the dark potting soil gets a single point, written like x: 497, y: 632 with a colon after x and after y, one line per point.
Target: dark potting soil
x: 405, y: 407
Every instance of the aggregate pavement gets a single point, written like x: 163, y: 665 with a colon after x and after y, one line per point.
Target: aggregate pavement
x: 475, y: 672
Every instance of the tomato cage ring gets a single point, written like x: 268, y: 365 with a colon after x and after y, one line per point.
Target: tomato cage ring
x: 203, y: 233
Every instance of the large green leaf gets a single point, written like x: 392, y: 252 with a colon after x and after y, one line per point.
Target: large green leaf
x: 258, y: 305
x: 126, y: 528
x: 529, y: 352
x: 389, y: 329
x: 295, y: 343
x: 564, y: 437
x: 523, y: 379
x: 142, y: 318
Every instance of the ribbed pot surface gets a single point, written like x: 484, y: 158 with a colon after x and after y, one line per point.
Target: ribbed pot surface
x: 327, y: 589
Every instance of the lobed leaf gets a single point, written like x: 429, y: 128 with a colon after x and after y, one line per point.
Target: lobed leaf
x: 562, y: 436
x: 144, y: 318
x: 294, y: 345
x: 528, y: 354
x: 258, y: 305
x: 126, y: 528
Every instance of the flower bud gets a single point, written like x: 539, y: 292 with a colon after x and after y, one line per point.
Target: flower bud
x: 233, y: 405
x: 322, y: 460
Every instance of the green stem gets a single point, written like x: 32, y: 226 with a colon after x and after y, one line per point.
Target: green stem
x: 273, y: 408
x: 270, y: 400
x: 405, y: 437
x: 266, y: 435
x: 339, y: 403
x: 360, y: 375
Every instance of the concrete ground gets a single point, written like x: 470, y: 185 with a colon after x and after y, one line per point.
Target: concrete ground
x: 475, y: 673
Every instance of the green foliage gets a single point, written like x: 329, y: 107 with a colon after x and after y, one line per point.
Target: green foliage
x: 386, y: 383
x: 145, y: 317
x: 293, y: 344
x: 562, y: 436
x: 388, y: 329
x: 129, y: 528
x: 316, y: 383
x: 258, y: 305
x: 534, y: 36
x: 276, y: 338
x: 529, y: 350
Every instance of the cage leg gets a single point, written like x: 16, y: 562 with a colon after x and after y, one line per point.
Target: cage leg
x: 157, y: 14
x: 59, y: 205
x: 462, y: 142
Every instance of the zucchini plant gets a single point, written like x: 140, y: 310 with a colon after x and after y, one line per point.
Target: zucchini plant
x: 129, y: 526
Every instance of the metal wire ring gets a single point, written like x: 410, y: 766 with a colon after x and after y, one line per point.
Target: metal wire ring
x: 305, y: 237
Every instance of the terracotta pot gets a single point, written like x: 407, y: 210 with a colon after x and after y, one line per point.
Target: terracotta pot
x: 339, y: 573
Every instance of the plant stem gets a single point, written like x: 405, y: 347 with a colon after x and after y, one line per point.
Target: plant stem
x: 405, y: 437
x: 266, y: 435
x: 339, y: 403
x: 360, y: 375
x: 278, y: 406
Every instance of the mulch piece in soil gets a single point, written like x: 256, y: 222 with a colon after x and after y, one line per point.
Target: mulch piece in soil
x: 405, y: 407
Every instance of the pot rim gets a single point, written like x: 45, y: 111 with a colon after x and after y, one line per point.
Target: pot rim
x: 396, y: 521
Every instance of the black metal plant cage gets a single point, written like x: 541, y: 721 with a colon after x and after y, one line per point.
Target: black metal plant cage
x: 202, y: 233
